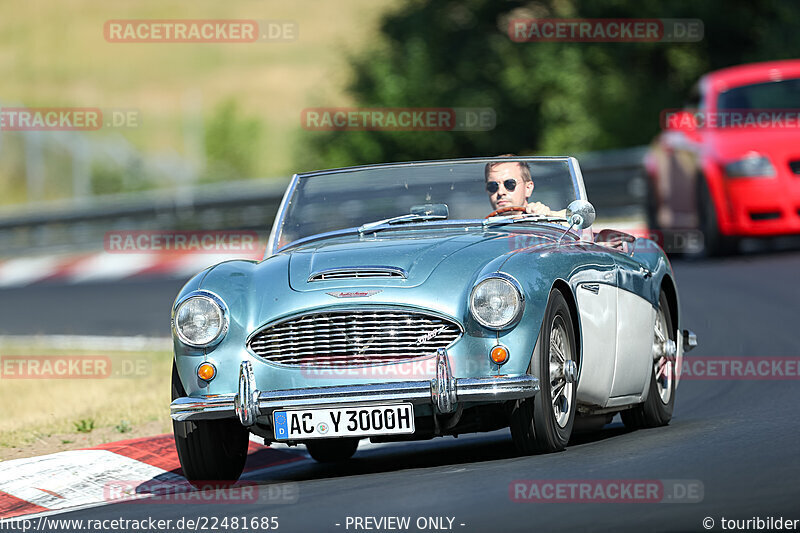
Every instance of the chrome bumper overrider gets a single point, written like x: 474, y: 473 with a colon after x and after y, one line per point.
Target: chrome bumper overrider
x: 689, y: 340
x: 443, y: 392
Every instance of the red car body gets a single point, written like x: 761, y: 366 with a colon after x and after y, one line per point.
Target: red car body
x: 706, y: 171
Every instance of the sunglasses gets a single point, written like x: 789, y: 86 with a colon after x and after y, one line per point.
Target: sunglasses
x: 493, y: 186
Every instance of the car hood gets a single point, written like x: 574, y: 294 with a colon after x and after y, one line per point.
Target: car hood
x: 780, y: 145
x: 418, y: 253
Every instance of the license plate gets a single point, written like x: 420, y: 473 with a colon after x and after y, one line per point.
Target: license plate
x: 300, y: 424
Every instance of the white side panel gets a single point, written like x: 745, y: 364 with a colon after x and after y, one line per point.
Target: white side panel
x: 636, y: 320
x: 598, y: 314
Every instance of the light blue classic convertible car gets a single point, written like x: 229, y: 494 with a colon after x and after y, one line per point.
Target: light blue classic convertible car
x: 390, y: 307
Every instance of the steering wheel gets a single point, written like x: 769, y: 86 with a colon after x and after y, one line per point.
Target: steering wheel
x: 507, y: 209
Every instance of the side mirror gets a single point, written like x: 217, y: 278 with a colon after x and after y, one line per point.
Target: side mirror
x: 580, y: 214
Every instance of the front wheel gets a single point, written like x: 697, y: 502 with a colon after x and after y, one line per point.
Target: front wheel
x: 209, y: 450
x: 543, y: 424
x: 657, y: 409
x: 332, y: 450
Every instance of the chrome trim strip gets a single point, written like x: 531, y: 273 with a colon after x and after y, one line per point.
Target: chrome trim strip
x: 485, y: 389
x: 577, y: 178
x: 276, y: 226
x: 467, y: 222
x: 203, y: 407
x: 594, y: 288
x: 437, y: 162
x: 391, y: 270
x: 689, y: 340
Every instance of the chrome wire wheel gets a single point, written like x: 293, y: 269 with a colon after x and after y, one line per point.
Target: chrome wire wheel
x: 562, y: 371
x: 543, y: 423
x: 664, y: 351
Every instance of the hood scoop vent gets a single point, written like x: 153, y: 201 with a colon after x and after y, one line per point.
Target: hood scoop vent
x: 361, y: 272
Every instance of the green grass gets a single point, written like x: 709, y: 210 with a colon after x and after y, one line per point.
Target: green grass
x: 84, y: 425
x: 34, y: 408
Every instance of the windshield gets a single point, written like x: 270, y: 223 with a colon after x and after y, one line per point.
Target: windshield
x: 351, y: 198
x: 783, y: 94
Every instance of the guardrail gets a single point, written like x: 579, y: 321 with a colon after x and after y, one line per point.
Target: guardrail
x: 614, y: 183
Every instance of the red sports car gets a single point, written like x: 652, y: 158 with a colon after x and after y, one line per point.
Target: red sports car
x: 728, y: 164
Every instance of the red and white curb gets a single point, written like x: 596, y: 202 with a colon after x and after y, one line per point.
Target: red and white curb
x: 79, y: 478
x: 103, y: 266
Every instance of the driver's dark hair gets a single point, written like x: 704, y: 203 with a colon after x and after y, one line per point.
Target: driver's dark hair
x: 526, y: 171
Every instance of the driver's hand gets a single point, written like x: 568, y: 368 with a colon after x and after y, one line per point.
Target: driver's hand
x: 538, y: 208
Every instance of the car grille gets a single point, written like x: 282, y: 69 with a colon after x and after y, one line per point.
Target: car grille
x: 358, y: 273
x: 354, y: 337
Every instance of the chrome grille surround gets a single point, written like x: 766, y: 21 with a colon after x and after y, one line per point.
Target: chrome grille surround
x: 358, y: 273
x: 354, y: 336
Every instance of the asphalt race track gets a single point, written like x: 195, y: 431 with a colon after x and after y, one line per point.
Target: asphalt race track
x: 135, y: 307
x: 739, y: 438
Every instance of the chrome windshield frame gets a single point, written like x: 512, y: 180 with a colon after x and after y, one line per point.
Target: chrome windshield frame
x: 572, y: 164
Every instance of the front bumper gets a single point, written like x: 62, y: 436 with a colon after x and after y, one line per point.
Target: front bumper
x: 443, y: 392
x: 761, y: 207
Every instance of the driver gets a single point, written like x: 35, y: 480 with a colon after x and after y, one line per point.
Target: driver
x: 509, y: 184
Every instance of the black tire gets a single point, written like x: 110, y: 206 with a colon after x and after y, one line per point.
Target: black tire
x: 209, y: 450
x: 332, y: 450
x: 534, y: 428
x: 654, y: 412
x: 715, y: 244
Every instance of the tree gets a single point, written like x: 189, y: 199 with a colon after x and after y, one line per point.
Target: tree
x: 549, y: 97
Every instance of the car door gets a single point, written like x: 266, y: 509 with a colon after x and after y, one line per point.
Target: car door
x: 595, y: 288
x: 634, y: 329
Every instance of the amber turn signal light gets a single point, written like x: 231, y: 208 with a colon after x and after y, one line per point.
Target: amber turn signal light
x: 499, y: 355
x: 206, y: 371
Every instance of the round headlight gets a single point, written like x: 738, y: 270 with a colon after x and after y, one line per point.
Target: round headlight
x: 496, y: 301
x: 200, y: 320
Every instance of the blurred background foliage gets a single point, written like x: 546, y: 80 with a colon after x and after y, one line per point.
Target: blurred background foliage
x: 549, y: 97
x: 231, y: 143
x: 54, y: 54
x: 220, y: 112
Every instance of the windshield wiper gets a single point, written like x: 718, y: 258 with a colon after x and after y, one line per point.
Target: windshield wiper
x: 522, y: 217
x: 412, y: 217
